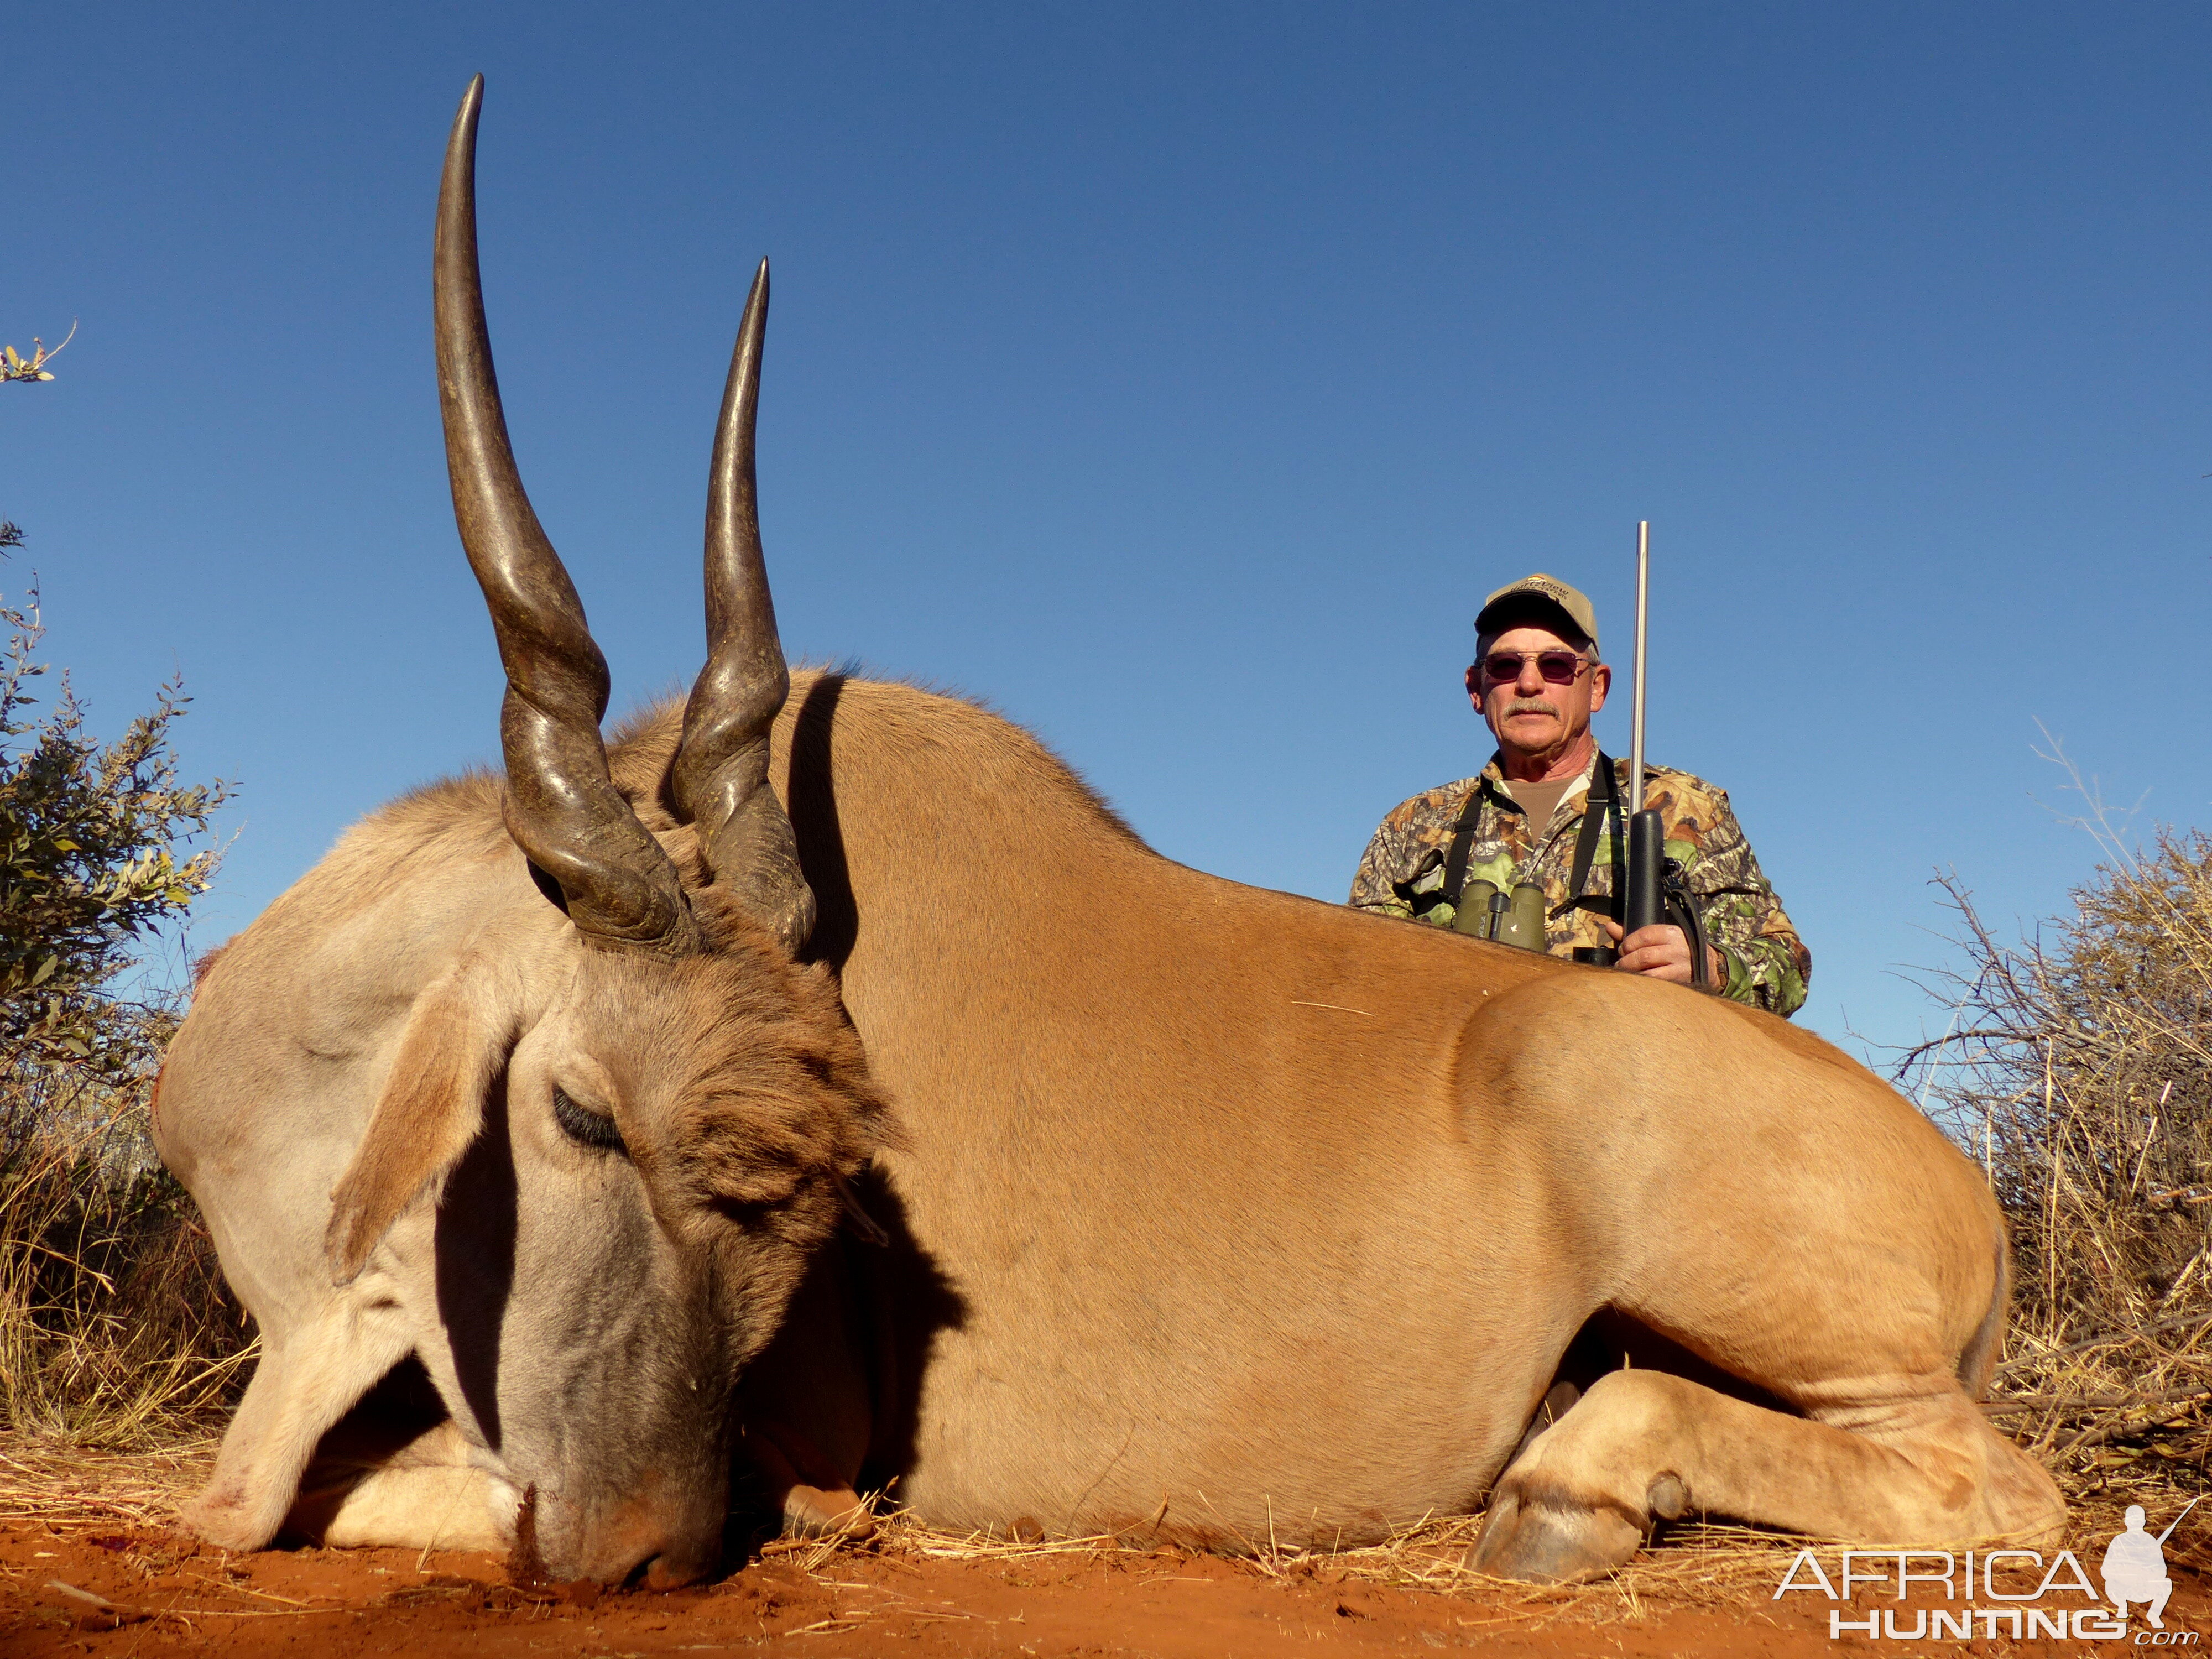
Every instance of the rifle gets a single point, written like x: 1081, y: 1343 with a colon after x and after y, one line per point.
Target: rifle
x: 2191, y: 1504
x: 1654, y: 891
x: 1643, y: 904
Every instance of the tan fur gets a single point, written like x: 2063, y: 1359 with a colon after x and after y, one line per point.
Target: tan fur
x: 1213, y: 1210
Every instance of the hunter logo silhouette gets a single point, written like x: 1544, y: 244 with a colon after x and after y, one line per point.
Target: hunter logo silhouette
x: 2134, y: 1566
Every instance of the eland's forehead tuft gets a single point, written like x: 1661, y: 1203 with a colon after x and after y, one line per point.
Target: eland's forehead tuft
x: 739, y: 1052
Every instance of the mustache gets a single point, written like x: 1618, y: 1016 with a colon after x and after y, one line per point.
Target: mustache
x: 1529, y: 705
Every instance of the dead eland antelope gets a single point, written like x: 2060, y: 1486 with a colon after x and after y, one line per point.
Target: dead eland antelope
x: 525, y: 1124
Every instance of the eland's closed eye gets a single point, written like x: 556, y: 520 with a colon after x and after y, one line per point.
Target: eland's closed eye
x: 585, y: 1126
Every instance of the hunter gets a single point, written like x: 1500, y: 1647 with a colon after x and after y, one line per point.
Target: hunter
x: 1543, y: 812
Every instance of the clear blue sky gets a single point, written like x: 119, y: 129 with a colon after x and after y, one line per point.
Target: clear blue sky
x: 1176, y: 379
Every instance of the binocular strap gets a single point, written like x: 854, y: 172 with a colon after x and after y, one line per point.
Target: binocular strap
x: 1603, y: 804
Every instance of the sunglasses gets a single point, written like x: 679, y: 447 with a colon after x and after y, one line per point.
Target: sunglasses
x: 1558, y: 667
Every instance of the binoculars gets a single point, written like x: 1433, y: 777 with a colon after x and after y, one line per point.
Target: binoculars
x: 1486, y: 913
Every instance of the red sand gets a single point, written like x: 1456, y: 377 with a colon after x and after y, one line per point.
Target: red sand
x: 172, y: 1595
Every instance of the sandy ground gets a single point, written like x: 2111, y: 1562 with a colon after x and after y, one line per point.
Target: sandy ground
x: 90, y: 1564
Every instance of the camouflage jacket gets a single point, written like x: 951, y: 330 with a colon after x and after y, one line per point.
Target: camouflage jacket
x: 1403, y: 872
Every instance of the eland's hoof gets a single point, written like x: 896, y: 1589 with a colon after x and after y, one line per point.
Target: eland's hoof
x: 814, y: 1500
x: 1545, y: 1544
x: 811, y: 1512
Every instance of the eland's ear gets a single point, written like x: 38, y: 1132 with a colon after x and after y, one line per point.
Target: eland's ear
x: 458, y: 1035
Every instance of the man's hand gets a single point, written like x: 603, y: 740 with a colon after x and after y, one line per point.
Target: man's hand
x: 1663, y: 952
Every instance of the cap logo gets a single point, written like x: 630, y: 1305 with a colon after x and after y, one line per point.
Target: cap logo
x: 1541, y: 585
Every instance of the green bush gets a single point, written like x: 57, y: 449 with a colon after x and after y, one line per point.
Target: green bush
x: 113, y: 1319
x: 90, y: 837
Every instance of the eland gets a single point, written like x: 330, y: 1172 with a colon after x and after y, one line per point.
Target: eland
x: 820, y: 1081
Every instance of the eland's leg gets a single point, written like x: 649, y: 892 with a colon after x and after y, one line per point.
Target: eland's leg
x: 452, y: 1508
x: 1918, y: 1465
x: 1752, y: 1197
x: 298, y: 1392
x: 426, y: 1496
x: 425, y: 1492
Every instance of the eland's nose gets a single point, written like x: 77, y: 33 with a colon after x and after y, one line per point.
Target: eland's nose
x: 653, y: 1536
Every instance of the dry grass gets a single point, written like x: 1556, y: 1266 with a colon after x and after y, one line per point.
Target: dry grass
x: 115, y: 1328
x: 54, y: 1484
x: 2077, y: 1070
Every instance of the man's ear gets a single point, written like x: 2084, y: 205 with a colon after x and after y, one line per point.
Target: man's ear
x: 456, y: 1037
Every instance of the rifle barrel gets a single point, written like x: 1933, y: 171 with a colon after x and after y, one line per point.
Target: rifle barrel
x: 1643, y: 601
x: 2185, y: 1508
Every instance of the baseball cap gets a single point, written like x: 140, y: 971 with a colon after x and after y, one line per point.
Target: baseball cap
x: 1545, y: 590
